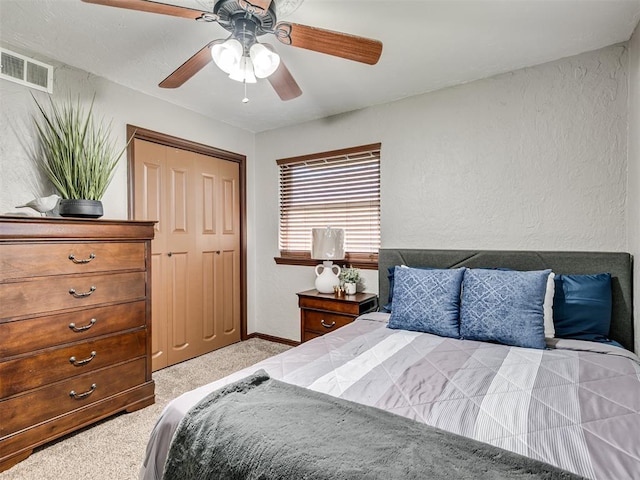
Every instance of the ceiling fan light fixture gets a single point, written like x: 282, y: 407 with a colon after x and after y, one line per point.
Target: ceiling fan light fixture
x: 265, y: 62
x: 244, y: 72
x: 227, y: 55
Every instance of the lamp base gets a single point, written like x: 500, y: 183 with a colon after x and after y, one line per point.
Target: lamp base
x: 326, y: 278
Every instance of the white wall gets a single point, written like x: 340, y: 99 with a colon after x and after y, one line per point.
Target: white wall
x: 633, y: 196
x: 533, y: 159
x: 122, y: 105
x: 20, y: 181
x: 536, y: 158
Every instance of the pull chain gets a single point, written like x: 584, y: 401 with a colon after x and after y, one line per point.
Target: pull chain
x: 245, y: 99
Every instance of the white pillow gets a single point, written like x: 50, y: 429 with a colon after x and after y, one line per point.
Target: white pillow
x: 547, y: 306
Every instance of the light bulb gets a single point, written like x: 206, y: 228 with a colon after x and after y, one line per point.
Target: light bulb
x: 244, y: 72
x: 265, y: 62
x: 227, y: 55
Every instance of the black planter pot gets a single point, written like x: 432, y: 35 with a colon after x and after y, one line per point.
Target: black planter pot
x: 70, y: 207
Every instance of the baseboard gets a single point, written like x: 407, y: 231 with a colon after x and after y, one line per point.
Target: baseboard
x: 271, y: 338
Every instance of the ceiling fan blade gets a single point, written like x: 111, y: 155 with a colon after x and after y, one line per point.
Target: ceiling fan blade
x: 282, y: 81
x: 189, y: 68
x: 351, y: 47
x: 152, y: 7
x: 257, y: 7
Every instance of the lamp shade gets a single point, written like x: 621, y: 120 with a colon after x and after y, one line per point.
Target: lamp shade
x: 265, y: 62
x: 244, y: 72
x: 227, y: 55
x: 327, y: 243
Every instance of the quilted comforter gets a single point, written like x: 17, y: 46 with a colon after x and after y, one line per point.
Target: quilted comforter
x: 575, y: 405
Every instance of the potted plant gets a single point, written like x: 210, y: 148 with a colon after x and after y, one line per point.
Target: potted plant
x: 350, y: 277
x: 77, y: 155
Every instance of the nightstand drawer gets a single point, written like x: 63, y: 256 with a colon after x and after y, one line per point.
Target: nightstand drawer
x: 309, y: 335
x: 322, y: 313
x: 333, y: 304
x: 38, y: 260
x: 57, y: 399
x: 324, y: 322
x: 25, y: 373
x: 48, y: 294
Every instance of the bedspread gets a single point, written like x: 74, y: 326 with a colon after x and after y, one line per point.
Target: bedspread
x: 262, y: 428
x: 575, y: 406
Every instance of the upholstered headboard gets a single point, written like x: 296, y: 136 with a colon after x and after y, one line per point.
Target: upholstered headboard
x: 619, y: 265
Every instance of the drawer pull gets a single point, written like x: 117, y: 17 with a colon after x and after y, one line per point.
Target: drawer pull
x: 78, y: 363
x: 83, y: 260
x: 78, y: 396
x: 327, y: 325
x: 82, y: 294
x: 73, y: 327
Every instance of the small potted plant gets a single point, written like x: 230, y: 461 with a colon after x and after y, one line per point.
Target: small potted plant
x: 350, y: 277
x: 77, y: 155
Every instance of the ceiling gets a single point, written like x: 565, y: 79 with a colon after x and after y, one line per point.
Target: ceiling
x: 428, y: 45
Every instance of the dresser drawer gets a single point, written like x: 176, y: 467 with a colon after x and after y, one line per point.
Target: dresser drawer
x: 39, y: 259
x: 25, y: 373
x: 324, y: 322
x: 48, y: 294
x: 43, y: 404
x: 42, y: 332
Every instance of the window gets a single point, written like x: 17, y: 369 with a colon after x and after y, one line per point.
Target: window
x: 340, y: 189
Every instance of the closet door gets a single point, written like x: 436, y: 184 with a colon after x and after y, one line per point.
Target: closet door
x: 181, y: 256
x: 196, y: 252
x: 149, y: 189
x: 218, y: 224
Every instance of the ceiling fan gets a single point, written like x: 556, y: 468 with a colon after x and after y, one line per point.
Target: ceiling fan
x: 241, y: 55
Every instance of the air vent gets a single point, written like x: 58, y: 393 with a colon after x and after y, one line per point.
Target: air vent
x: 26, y: 71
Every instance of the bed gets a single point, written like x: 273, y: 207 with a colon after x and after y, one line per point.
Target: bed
x: 574, y: 404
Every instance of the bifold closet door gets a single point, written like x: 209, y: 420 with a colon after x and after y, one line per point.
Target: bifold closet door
x: 195, y: 262
x: 218, y: 224
x: 149, y: 190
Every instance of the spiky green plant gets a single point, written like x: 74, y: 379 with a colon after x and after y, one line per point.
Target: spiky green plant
x: 76, y: 151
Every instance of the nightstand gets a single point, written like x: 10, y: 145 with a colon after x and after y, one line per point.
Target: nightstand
x: 322, y: 313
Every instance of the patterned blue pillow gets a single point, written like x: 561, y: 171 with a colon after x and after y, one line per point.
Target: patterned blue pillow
x: 427, y: 300
x: 388, y: 307
x: 504, y: 306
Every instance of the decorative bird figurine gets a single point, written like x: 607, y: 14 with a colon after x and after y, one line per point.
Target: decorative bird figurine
x: 42, y: 204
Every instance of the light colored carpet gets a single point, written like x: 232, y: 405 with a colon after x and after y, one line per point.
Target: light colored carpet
x: 114, y: 448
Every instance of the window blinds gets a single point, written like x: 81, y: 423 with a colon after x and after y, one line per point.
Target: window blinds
x: 340, y: 189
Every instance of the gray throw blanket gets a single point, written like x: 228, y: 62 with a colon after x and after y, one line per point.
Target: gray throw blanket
x: 260, y: 428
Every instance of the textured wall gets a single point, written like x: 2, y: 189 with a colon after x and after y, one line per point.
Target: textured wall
x: 633, y: 196
x: 20, y: 181
x: 533, y: 159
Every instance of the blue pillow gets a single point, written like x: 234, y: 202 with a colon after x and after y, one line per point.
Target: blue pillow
x: 427, y: 300
x: 582, y: 307
x: 387, y: 308
x: 504, y: 306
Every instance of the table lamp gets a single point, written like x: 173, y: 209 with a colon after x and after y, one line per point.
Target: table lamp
x: 327, y: 244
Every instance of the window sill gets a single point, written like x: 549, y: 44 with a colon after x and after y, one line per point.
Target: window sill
x: 309, y: 262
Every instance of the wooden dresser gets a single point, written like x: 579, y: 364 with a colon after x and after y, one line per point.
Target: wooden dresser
x: 74, y: 326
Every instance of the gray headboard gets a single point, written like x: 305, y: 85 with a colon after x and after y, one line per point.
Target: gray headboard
x: 619, y: 265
